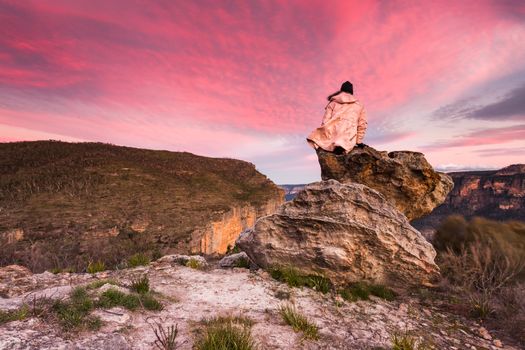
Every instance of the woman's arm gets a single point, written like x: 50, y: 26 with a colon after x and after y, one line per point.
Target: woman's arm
x: 328, y: 112
x: 362, y: 124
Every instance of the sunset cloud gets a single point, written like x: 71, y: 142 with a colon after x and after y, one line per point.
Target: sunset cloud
x: 249, y: 79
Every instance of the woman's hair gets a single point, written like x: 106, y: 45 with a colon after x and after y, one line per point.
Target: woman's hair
x: 329, y: 98
x: 345, y: 87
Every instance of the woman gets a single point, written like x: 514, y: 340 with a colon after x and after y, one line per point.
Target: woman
x: 344, y: 123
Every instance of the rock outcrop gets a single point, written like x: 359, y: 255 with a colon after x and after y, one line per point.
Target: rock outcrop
x: 405, y: 178
x: 496, y: 195
x: 346, y: 232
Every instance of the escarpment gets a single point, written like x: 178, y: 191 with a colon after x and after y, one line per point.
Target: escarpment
x: 219, y: 236
x: 496, y: 195
x: 66, y: 204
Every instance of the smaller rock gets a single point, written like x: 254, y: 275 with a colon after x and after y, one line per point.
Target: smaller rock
x: 183, y: 259
x: 484, y: 333
x: 236, y: 260
x: 498, y: 343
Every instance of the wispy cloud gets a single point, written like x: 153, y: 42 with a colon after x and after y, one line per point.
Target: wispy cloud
x: 489, y: 136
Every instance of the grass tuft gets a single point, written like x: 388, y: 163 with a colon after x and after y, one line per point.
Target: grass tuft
x: 138, y: 259
x: 363, y: 290
x: 194, y: 264
x: 94, y: 267
x: 140, y: 285
x: 294, y: 278
x: 14, y: 315
x: 224, y: 333
x: 299, y: 322
x: 112, y: 297
x: 406, y: 342
x: 150, y: 303
x: 73, y: 314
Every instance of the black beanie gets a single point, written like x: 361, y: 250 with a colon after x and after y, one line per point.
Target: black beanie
x: 347, y: 87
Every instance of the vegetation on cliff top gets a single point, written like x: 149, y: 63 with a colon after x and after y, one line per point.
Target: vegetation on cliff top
x: 483, y: 263
x: 79, y: 202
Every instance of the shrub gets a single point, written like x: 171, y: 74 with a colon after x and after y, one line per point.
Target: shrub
x: 138, y: 259
x: 194, y: 264
x: 94, y: 267
x: 224, y: 333
x: 140, y: 285
x: 166, y: 339
x: 299, y: 322
x: 483, y: 262
x: 362, y: 291
x: 294, y: 278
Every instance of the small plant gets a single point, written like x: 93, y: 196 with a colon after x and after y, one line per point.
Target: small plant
x: 224, y: 333
x: 150, y: 303
x: 73, y: 314
x: 112, y: 297
x: 194, y: 264
x: 156, y: 255
x: 294, y: 278
x: 94, y: 267
x: 166, y: 338
x: 218, y: 320
x: 232, y: 250
x: 299, y: 322
x: 14, y: 315
x: 242, y: 263
x: 406, y: 342
x: 403, y: 342
x: 362, y: 291
x: 138, y: 259
x: 140, y: 285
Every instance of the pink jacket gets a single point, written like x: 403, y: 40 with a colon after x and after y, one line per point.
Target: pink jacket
x: 344, y: 124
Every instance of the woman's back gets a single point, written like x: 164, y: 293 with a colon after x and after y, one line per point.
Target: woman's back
x: 344, y: 124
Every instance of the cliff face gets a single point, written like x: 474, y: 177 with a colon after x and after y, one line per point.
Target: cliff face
x: 63, y: 205
x: 220, y: 235
x: 498, y: 195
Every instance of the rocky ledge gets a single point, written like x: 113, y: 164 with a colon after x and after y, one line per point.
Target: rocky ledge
x: 190, y: 295
x: 403, y: 177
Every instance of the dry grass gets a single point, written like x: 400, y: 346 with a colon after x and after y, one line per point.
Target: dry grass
x: 225, y: 333
x: 298, y: 321
x: 483, y: 263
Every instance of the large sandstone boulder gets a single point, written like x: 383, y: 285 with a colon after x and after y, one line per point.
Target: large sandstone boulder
x: 346, y: 232
x: 404, y: 178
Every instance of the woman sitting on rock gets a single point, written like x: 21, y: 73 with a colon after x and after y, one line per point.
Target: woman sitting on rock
x: 344, y: 123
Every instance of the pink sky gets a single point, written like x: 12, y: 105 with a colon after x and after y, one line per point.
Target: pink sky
x: 249, y: 79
